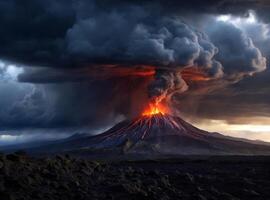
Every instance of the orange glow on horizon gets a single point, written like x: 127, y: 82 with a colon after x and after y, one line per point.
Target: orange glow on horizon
x: 155, y: 108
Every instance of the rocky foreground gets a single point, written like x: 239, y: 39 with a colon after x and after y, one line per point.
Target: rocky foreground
x: 63, y: 177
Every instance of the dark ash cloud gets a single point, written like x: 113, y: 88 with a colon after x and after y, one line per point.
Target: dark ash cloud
x: 237, y: 52
x: 89, y: 62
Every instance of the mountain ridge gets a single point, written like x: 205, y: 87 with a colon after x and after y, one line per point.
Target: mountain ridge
x: 157, y: 134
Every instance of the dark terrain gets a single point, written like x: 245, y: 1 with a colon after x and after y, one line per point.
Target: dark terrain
x: 198, y: 178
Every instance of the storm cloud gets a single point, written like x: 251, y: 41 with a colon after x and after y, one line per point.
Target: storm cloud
x: 94, y: 62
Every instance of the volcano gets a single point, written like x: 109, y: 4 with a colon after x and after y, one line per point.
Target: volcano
x: 161, y: 134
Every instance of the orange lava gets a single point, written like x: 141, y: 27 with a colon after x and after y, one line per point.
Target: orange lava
x: 154, y: 108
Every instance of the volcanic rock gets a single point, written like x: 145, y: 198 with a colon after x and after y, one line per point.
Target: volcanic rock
x: 62, y: 177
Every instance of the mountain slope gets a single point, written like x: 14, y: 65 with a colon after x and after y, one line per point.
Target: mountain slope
x: 158, y: 134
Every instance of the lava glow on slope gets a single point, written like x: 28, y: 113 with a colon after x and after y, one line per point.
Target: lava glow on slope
x: 154, y: 108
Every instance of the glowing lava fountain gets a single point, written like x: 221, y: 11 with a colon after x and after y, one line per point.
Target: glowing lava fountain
x: 155, y: 108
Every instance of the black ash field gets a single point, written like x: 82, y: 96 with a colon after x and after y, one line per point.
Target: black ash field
x: 198, y: 178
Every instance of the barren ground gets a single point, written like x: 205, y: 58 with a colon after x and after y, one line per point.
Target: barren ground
x: 64, y: 177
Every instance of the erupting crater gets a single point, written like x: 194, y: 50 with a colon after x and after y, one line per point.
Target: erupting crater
x: 155, y: 108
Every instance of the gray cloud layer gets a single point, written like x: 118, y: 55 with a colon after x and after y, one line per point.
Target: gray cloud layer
x: 69, y: 38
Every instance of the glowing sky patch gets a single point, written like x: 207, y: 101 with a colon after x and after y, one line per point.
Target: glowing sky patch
x: 258, y: 130
x: 9, y: 72
x: 250, y: 19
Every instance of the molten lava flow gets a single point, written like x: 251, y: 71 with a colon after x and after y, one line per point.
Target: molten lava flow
x: 154, y: 108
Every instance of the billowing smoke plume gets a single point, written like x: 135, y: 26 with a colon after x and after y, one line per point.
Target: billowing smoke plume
x: 167, y: 44
x: 165, y: 84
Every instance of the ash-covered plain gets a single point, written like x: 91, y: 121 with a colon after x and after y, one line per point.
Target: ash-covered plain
x: 187, y: 178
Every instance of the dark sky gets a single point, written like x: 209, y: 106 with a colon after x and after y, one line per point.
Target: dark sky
x: 67, y: 63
